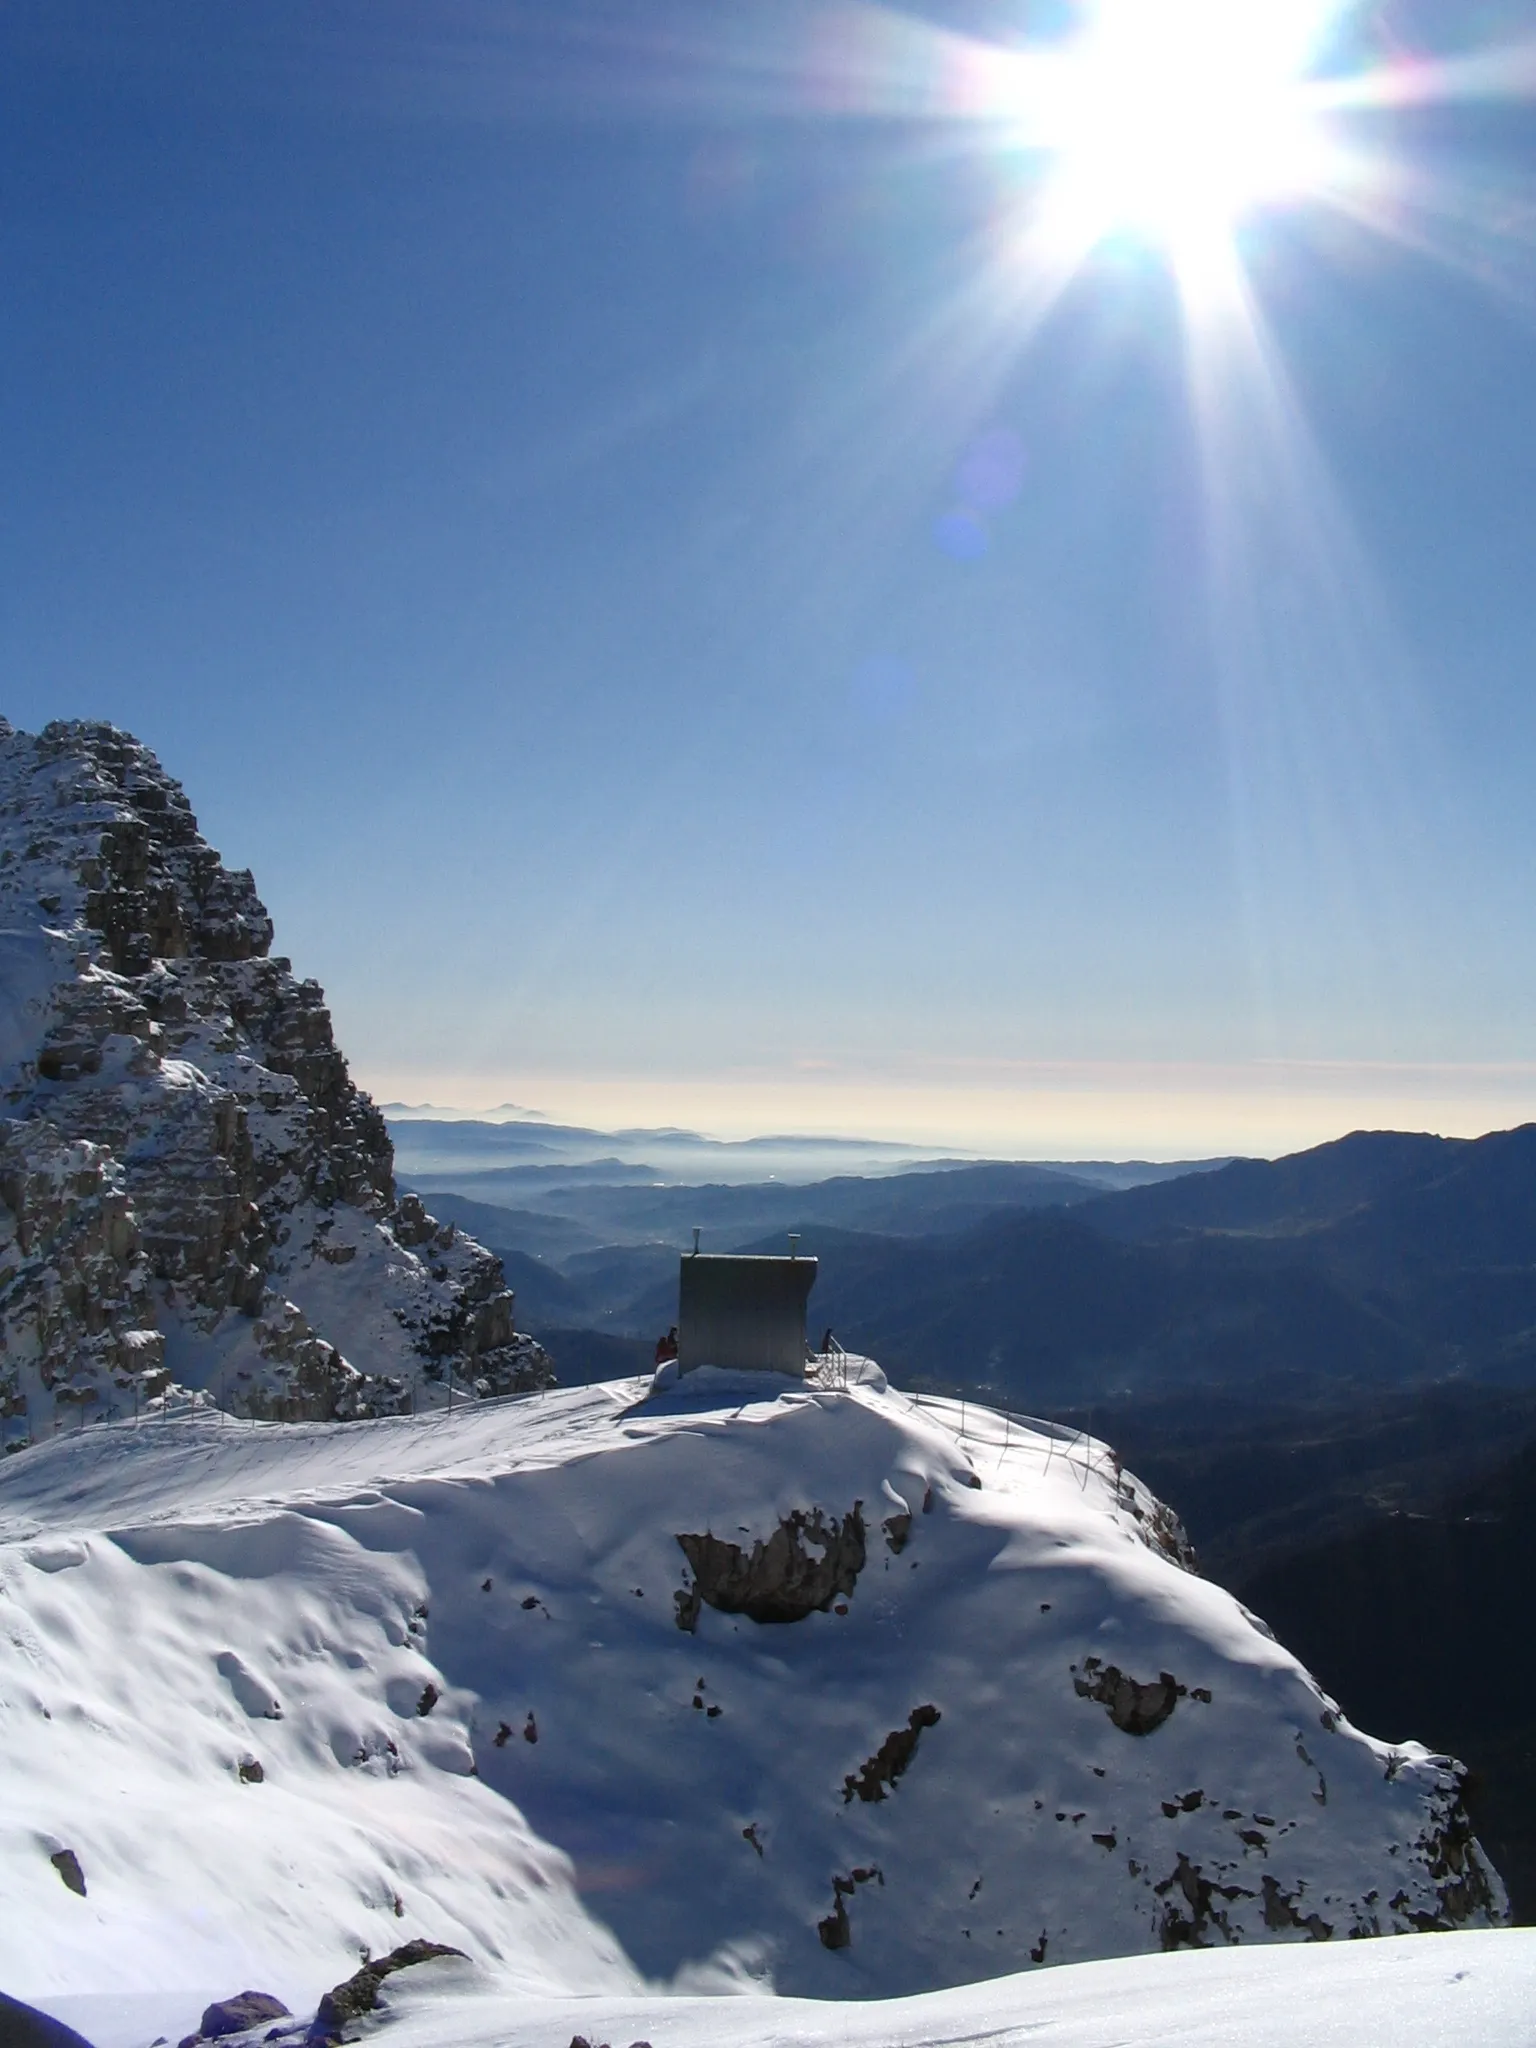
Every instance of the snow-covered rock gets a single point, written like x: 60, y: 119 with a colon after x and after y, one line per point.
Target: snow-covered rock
x: 193, y: 1195
x: 811, y: 1687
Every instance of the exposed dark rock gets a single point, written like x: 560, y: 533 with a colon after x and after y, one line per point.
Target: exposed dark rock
x: 878, y: 1774
x: 1462, y: 1874
x: 835, y: 1930
x: 251, y: 1772
x: 805, y: 1564
x: 1135, y: 1707
x: 67, y: 1864
x: 236, y: 2015
x: 430, y: 1695
x: 360, y: 1993
x: 1282, y: 1912
x: 1160, y: 1526
x: 1190, y: 1910
x: 898, y: 1528
x: 1188, y: 1802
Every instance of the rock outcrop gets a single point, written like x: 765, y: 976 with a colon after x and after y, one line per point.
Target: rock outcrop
x: 806, y: 1564
x: 346, y: 2003
x: 195, y: 1199
x: 237, y: 2015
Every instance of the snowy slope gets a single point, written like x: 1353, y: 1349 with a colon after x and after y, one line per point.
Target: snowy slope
x: 1478, y: 1990
x: 457, y: 1647
x: 1473, y: 1989
x: 193, y: 1195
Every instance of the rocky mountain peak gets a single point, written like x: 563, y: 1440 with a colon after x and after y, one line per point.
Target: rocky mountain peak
x: 195, y: 1198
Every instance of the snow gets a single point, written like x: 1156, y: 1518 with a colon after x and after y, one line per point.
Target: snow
x: 32, y: 964
x: 285, y: 1696
x: 380, y: 1613
x: 1465, y: 1988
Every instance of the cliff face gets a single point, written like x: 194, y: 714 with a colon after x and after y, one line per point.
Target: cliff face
x: 193, y: 1193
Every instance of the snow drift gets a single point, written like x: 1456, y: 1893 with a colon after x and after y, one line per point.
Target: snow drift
x: 562, y: 1682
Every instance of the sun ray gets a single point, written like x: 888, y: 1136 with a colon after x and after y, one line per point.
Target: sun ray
x: 1176, y: 127
x: 1467, y: 220
x: 1331, y: 756
x: 1504, y: 72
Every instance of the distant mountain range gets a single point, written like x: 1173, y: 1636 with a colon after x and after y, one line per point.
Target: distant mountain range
x: 453, y: 1151
x: 456, y: 1145
x: 1382, y: 1258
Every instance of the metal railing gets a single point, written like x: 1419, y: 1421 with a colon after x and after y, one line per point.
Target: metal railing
x: 827, y: 1369
x: 1097, y: 1457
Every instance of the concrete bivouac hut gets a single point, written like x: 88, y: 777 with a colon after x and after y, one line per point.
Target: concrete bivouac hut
x: 743, y: 1313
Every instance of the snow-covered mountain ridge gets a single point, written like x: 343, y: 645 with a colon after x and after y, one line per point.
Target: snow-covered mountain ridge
x: 734, y: 1682
x: 193, y: 1193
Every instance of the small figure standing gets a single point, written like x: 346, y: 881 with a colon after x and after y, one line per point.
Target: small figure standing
x: 666, y: 1347
x: 829, y: 1343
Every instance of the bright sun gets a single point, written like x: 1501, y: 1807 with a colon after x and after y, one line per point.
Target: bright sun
x: 1172, y: 119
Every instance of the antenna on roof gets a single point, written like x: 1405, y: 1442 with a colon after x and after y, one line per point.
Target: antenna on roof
x: 695, y: 1240
x: 794, y: 1242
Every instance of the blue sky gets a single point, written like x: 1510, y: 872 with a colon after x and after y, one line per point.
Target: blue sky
x: 594, y: 509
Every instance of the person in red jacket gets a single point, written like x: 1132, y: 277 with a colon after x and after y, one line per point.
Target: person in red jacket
x: 666, y: 1347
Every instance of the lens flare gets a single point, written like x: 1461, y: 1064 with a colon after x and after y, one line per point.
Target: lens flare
x: 1174, y: 121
